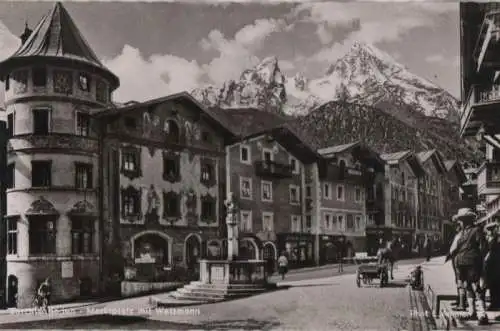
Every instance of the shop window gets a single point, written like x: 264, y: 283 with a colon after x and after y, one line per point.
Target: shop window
x: 82, y: 233
x: 39, y: 77
x: 171, y: 167
x: 12, y: 235
x: 41, y: 173
x: 42, y: 235
x: 82, y: 124
x: 131, y: 203
x: 171, y: 205
x: 83, y: 175
x: 207, y: 173
x: 41, y: 121
x: 208, y: 212
x: 131, y: 162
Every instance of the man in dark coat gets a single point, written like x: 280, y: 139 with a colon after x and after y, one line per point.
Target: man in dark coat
x: 492, y: 265
x: 460, y: 305
x: 469, y: 257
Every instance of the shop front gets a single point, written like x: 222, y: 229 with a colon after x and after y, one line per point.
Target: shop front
x: 404, y: 240
x: 328, y: 248
x: 373, y: 237
x: 299, y: 248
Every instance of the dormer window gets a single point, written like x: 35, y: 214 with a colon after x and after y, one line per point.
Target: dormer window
x: 39, y: 77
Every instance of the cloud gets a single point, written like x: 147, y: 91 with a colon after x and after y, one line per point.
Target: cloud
x: 238, y: 54
x: 367, y: 22
x: 156, y: 76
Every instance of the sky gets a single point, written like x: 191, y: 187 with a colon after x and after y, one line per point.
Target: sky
x: 159, y: 48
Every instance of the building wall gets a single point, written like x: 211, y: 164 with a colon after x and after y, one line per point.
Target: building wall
x: 63, y: 148
x: 404, y: 195
x: 431, y: 198
x: 281, y: 206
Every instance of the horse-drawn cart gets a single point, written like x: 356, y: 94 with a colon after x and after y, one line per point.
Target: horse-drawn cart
x: 369, y: 269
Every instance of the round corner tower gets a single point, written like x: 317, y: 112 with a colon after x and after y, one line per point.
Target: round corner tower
x: 53, y: 84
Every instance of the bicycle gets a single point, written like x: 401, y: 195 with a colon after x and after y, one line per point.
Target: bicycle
x: 41, y: 303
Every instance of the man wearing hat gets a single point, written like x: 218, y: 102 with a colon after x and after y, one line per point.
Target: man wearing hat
x: 469, y: 254
x: 460, y: 304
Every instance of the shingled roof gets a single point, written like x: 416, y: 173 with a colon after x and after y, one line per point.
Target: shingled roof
x: 57, y: 36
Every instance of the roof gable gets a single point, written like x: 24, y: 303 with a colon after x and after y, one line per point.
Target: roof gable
x: 436, y: 158
x: 454, y: 165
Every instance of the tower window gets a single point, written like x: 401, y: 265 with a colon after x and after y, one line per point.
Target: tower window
x: 82, y: 124
x: 83, y: 175
x: 12, y: 235
x: 42, y: 235
x: 11, y: 168
x: 82, y: 231
x: 7, y: 83
x: 41, y: 173
x: 39, y: 77
x: 41, y: 121
x: 10, y: 124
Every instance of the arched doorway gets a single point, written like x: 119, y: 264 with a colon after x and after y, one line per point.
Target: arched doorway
x: 248, y: 249
x: 12, y: 291
x: 270, y: 255
x: 151, y: 247
x: 192, y: 252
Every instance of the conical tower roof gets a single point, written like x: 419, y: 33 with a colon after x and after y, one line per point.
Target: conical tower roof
x: 56, y: 37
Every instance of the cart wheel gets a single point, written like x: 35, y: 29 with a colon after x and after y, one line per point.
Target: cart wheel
x: 358, y: 279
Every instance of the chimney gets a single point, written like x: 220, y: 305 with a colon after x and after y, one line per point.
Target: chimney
x: 26, y: 34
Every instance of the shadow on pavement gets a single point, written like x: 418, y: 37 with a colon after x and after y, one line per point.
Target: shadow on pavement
x: 394, y: 284
x: 312, y: 285
x: 137, y: 322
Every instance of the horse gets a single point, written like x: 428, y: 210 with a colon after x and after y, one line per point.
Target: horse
x: 387, y: 254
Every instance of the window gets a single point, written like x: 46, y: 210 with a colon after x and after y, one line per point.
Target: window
x: 21, y: 82
x: 294, y: 165
x: 171, y: 167
x: 357, y: 194
x: 131, y: 162
x: 340, y: 192
x: 173, y: 132
x: 82, y: 124
x: 171, y: 205
x: 39, y: 77
x: 267, y: 221
x: 246, y: 188
x: 208, y: 212
x: 10, y: 181
x: 294, y: 195
x: 7, y: 83
x: 82, y: 233
x: 41, y: 119
x: 10, y: 125
x: 328, y: 221
x: 41, y: 173
x: 101, y: 91
x: 42, y: 235
x: 245, y: 154
x: 308, y: 222
x: 327, y: 194
x: 296, y: 225
x: 83, y: 175
x: 267, y: 155
x: 308, y: 191
x: 84, y: 82
x: 246, y: 220
x: 207, y: 173
x: 206, y: 137
x: 350, y: 222
x: 12, y: 235
x: 130, y: 123
x: 131, y: 202
x: 267, y: 191
x: 63, y: 82
x: 340, y: 222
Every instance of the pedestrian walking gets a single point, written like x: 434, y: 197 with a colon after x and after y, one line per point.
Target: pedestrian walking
x: 469, y: 256
x: 492, y: 266
x: 427, y: 248
x: 460, y: 304
x: 282, y: 265
x: 341, y: 254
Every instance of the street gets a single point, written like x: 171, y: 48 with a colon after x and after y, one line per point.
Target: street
x: 304, y: 301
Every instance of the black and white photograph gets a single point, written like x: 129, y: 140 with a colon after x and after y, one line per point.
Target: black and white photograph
x: 250, y: 165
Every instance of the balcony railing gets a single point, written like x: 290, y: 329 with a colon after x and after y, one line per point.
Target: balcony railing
x: 488, y: 179
x: 273, y: 169
x: 481, y: 105
x: 489, y: 36
x: 334, y: 172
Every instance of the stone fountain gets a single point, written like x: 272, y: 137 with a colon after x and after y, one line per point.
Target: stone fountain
x: 224, y: 279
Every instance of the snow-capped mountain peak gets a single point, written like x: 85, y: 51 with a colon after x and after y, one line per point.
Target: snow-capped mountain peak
x: 365, y: 74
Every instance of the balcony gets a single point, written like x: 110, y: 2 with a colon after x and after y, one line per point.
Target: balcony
x: 481, y: 108
x: 333, y: 172
x: 488, y: 42
x: 374, y: 205
x: 273, y: 169
x: 488, y: 179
